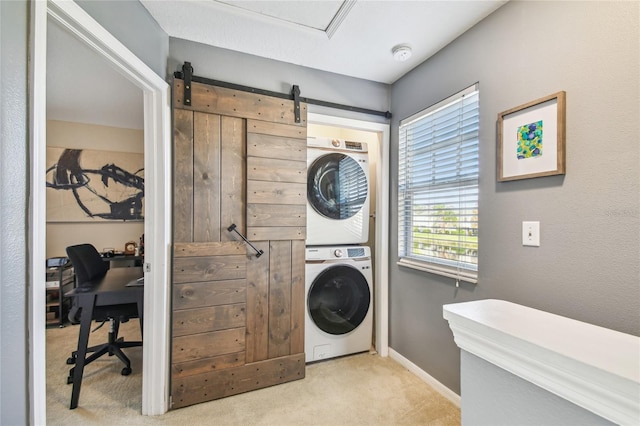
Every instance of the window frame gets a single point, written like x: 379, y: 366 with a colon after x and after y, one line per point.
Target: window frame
x: 456, y: 269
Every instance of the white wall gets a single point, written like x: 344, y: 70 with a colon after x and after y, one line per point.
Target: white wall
x: 495, y: 397
x: 101, y: 233
x: 587, y: 266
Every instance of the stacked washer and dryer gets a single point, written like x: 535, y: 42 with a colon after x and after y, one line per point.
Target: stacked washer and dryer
x: 339, y: 279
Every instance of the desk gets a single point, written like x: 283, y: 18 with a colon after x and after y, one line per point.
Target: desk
x: 124, y: 261
x: 105, y: 291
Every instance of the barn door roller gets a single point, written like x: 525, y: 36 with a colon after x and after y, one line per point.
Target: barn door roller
x: 187, y: 72
x: 295, y: 92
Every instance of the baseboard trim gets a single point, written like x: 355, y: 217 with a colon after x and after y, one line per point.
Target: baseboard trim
x: 426, y: 377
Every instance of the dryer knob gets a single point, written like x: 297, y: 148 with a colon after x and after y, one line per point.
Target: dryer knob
x: 338, y: 253
x: 335, y: 143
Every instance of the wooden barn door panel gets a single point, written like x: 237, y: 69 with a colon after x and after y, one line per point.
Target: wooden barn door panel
x: 205, y: 345
x: 183, y: 175
x: 206, y: 177
x: 276, y: 195
x: 209, y: 307
x: 232, y: 205
x: 298, y: 295
x: 234, y: 380
x: 257, y: 341
x: 210, y: 318
x: 234, y: 103
x: 238, y: 319
x: 280, y: 299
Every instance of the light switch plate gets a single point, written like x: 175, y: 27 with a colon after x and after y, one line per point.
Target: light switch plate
x: 531, y: 234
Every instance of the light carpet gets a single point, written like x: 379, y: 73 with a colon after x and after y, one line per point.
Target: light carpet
x: 362, y: 389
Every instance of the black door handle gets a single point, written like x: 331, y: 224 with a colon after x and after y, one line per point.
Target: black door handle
x: 233, y: 228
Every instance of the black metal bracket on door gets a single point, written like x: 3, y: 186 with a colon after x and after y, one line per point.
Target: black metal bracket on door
x: 233, y: 228
x: 187, y: 72
x: 295, y: 92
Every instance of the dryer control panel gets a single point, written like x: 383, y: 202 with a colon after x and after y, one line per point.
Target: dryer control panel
x: 354, y: 145
x: 336, y: 144
x: 340, y: 252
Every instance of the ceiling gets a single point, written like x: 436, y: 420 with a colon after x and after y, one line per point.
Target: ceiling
x: 83, y: 88
x: 353, y: 38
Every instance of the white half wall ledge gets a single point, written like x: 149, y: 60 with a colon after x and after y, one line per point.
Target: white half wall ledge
x: 593, y: 367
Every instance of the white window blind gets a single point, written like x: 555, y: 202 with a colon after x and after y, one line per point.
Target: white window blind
x: 438, y: 188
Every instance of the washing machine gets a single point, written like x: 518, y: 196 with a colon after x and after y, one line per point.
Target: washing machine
x: 339, y: 301
x: 337, y: 192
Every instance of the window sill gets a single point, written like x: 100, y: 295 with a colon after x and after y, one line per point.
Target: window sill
x: 462, y: 275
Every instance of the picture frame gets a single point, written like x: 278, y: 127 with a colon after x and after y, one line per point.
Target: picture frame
x: 531, y: 139
x: 86, y: 185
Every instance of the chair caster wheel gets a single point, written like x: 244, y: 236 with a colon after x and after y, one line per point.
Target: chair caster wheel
x: 126, y: 371
x: 69, y: 380
x: 71, y: 360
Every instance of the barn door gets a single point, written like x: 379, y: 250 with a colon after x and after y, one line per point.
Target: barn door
x: 238, y: 319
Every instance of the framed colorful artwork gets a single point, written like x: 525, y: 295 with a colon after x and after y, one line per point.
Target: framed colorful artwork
x: 531, y: 139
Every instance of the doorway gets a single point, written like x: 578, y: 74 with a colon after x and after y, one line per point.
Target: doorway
x: 99, y: 131
x: 158, y: 195
x: 376, y: 135
x: 103, y: 121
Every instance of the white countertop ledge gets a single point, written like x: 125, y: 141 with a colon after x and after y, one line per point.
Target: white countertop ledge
x: 595, y: 368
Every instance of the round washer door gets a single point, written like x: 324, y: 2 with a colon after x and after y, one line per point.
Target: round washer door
x: 338, y: 299
x: 336, y: 186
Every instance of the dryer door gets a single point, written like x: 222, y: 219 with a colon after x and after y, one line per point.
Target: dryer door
x: 336, y: 186
x: 338, y: 299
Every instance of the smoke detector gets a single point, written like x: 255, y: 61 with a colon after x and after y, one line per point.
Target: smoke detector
x: 401, y: 53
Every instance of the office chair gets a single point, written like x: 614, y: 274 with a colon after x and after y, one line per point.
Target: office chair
x: 88, y: 265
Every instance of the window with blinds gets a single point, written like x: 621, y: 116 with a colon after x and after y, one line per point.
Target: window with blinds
x: 438, y: 188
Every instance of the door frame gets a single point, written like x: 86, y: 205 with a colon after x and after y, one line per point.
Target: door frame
x: 381, y: 264
x: 157, y: 163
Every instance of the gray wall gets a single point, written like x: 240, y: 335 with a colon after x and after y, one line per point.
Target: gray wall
x: 248, y: 70
x: 588, y: 264
x: 494, y: 397
x: 146, y: 39
x: 13, y: 203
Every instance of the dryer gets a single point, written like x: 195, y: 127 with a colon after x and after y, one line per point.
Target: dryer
x: 337, y: 192
x: 339, y: 301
